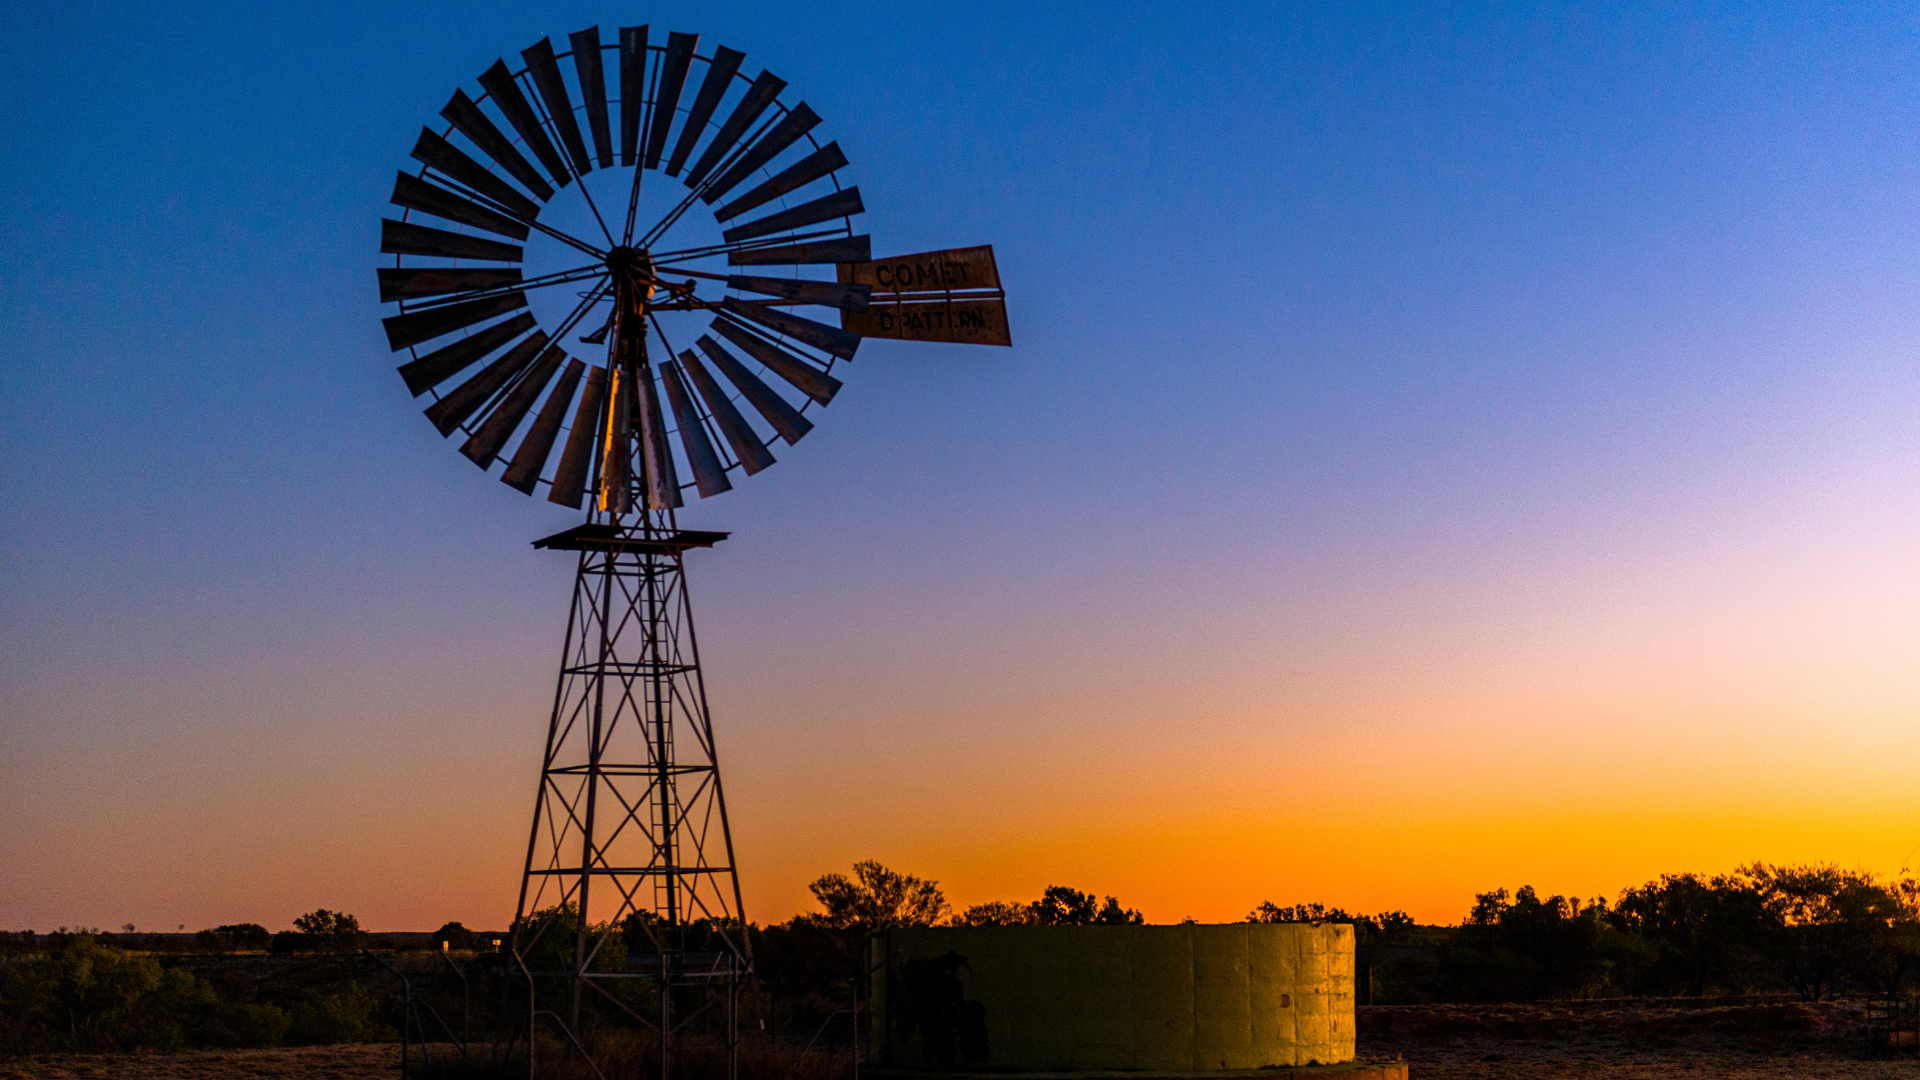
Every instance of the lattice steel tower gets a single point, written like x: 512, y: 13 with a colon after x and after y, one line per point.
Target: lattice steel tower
x: 630, y: 823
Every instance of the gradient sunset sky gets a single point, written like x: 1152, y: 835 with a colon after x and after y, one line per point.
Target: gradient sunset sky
x: 1443, y: 448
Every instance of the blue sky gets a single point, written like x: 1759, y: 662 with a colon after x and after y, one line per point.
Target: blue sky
x: 1512, y: 405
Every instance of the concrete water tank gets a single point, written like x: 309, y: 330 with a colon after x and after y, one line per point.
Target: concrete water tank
x: 1183, y: 998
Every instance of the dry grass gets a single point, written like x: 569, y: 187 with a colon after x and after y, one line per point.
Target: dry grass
x: 1523, y: 1067
x: 1616, y: 1040
x: 349, y: 1062
x: 619, y: 1055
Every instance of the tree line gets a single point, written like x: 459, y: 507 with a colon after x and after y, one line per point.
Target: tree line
x: 1810, y: 931
x: 876, y: 897
x: 1813, y: 931
x: 83, y: 989
x: 81, y: 994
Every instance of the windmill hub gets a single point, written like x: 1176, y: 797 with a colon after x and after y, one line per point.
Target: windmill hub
x: 630, y: 262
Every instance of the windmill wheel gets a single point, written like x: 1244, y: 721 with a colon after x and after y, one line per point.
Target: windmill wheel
x: 670, y: 309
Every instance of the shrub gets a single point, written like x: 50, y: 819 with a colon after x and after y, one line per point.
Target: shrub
x: 249, y: 1027
x: 246, y: 936
x: 344, y: 1017
x: 93, y: 997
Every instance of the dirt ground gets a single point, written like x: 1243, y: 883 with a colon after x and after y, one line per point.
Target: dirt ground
x: 293, y: 1063
x: 1723, y: 1039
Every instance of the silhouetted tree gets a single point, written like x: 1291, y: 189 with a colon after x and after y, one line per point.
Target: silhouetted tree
x: 1058, y: 906
x: 996, y: 913
x: 1700, y: 931
x: 321, y: 930
x: 876, y: 898
x: 1061, y: 906
x: 1527, y: 948
x: 1388, y: 927
x: 248, y: 936
x: 1828, y: 929
x: 1893, y: 950
x: 1269, y: 912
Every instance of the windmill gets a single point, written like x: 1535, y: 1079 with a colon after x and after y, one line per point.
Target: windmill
x: 597, y: 264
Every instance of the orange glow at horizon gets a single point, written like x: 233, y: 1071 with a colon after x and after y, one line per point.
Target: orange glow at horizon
x: 1577, y: 724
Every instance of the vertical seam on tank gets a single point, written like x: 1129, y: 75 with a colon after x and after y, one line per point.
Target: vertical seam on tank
x: 1246, y: 952
x: 1133, y: 1004
x: 1193, y: 1004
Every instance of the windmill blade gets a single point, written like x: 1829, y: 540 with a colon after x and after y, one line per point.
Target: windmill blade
x: 433, y: 150
x: 708, y: 474
x: 465, y: 116
x: 786, y: 419
x: 417, y: 326
x: 570, y: 476
x: 416, y: 194
x: 663, y: 481
x: 616, y: 446
x: 720, y: 72
x: 673, y: 79
x: 841, y: 250
x: 442, y: 364
x: 796, y: 176
x: 828, y: 339
x: 824, y: 293
x: 593, y: 87
x: 784, y: 134
x: 805, y: 378
x: 523, y: 472
x: 747, y: 446
x: 404, y: 238
x: 633, y: 90
x: 513, y: 104
x: 499, y: 426
x: 544, y: 68
x: 413, y: 282
x: 840, y: 204
x: 451, y: 411
x: 760, y: 95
